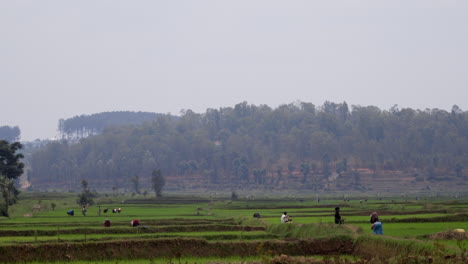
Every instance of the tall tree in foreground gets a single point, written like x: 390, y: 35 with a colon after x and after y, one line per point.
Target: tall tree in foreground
x: 158, y: 182
x: 10, y: 168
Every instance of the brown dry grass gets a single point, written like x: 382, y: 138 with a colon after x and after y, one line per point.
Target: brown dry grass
x: 449, y: 235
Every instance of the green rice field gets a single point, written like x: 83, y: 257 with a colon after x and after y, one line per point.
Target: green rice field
x: 193, y: 229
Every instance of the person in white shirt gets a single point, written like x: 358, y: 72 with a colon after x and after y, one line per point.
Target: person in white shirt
x: 285, y: 218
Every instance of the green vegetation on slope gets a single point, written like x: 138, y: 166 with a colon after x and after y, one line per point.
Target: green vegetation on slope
x: 172, y: 230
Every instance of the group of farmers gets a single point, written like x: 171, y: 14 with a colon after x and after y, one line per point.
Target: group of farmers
x: 285, y: 218
x: 376, y: 227
x: 107, y: 222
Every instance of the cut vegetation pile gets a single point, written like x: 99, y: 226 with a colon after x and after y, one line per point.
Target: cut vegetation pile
x: 449, y: 235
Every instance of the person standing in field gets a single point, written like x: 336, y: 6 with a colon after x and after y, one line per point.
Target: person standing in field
x: 338, y: 218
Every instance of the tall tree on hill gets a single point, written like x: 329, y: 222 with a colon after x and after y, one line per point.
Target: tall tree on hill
x: 459, y: 169
x: 291, y: 168
x: 305, y: 169
x: 158, y: 182
x: 326, y: 165
x: 9, y: 134
x: 10, y: 168
x: 279, y: 173
x: 259, y: 176
x: 136, y: 184
x: 87, y: 125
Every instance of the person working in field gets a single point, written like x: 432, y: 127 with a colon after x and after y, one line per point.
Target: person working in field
x: 377, y: 228
x: 285, y: 218
x: 374, y: 217
x: 135, y: 223
x: 338, y: 218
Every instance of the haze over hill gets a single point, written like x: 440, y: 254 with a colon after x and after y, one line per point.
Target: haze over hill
x: 60, y: 59
x: 327, y: 148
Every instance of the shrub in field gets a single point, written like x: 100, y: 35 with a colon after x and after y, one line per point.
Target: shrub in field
x: 254, y: 222
x: 86, y: 197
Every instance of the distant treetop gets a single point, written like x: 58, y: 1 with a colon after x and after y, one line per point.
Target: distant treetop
x: 10, y: 134
x: 87, y: 125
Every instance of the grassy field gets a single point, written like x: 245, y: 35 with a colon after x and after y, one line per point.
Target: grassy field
x: 202, y: 229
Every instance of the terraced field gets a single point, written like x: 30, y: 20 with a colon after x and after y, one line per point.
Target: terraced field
x: 218, y: 230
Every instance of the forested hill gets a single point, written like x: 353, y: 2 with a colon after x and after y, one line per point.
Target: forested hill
x: 86, y: 125
x: 259, y: 145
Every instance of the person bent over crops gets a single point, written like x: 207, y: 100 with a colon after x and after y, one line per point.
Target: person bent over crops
x: 285, y: 218
x: 135, y: 223
x: 377, y: 228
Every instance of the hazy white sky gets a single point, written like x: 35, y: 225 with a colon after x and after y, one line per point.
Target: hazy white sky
x: 59, y: 59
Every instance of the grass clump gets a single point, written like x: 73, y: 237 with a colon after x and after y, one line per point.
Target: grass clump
x: 388, y: 250
x: 313, y: 230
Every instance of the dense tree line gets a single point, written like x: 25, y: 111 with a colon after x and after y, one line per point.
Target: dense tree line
x: 10, y: 134
x: 261, y: 145
x: 87, y: 125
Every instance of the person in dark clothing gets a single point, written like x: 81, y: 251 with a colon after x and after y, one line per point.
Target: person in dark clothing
x: 71, y: 213
x: 338, y: 218
x: 374, y: 217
